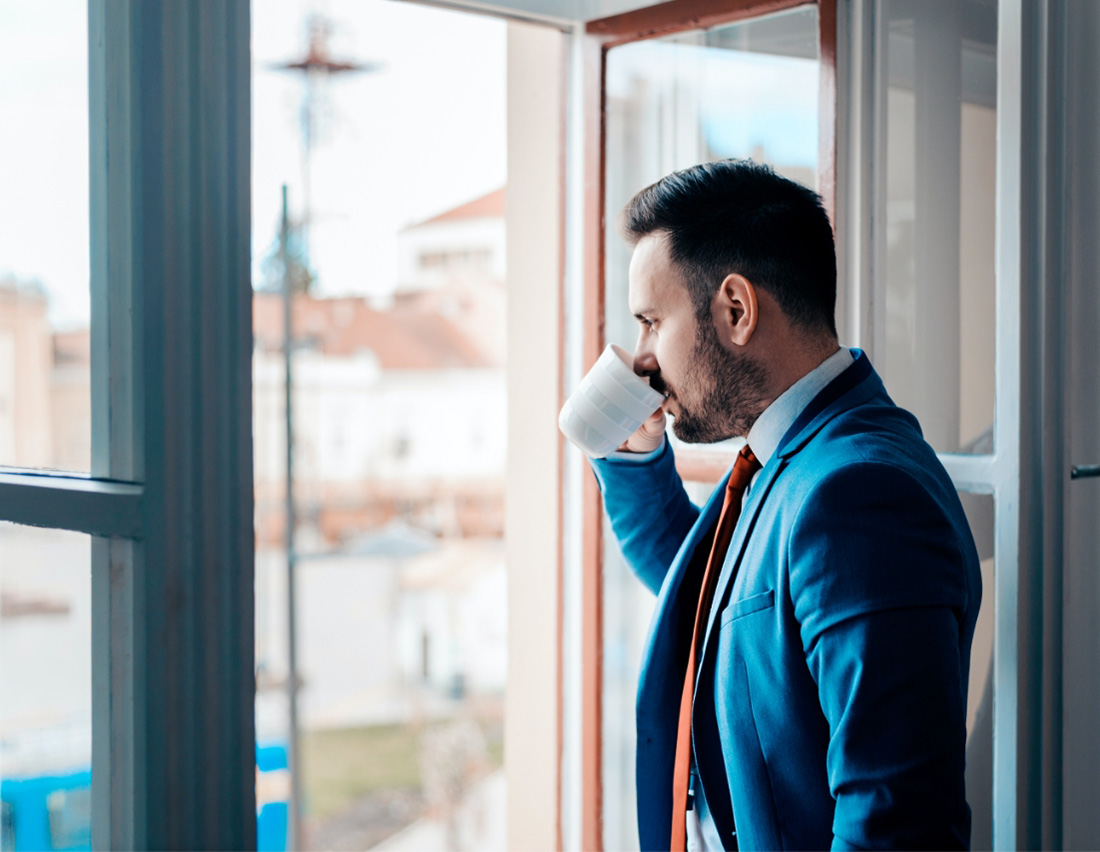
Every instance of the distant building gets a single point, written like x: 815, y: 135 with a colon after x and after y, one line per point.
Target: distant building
x: 25, y: 361
x: 452, y: 625
x: 463, y: 243
x: 400, y: 415
x: 399, y: 403
x: 397, y: 414
x: 45, y: 384
x: 455, y: 262
x: 71, y: 399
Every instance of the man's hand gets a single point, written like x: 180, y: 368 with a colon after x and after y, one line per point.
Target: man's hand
x: 649, y: 435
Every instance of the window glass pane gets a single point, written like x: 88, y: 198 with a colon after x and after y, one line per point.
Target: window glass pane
x: 980, y: 512
x: 934, y: 340
x: 45, y: 397
x: 45, y: 688
x: 744, y: 90
x: 396, y: 261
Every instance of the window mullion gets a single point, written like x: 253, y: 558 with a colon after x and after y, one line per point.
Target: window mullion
x: 173, y: 607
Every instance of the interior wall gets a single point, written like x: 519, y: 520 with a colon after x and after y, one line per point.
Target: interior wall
x: 1081, y: 590
x: 532, y: 746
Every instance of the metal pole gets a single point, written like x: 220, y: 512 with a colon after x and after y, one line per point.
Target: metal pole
x: 306, y: 221
x: 294, y: 827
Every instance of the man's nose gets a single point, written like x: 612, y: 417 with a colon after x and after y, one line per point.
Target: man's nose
x: 645, y: 359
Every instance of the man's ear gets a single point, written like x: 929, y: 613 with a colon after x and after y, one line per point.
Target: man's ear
x: 736, y: 309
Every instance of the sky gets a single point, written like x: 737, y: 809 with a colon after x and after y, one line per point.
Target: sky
x: 424, y: 133
x: 44, y: 150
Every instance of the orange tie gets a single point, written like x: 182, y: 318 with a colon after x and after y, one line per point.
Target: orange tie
x: 743, y: 470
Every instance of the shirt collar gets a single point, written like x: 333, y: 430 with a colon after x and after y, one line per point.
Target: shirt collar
x: 776, y: 419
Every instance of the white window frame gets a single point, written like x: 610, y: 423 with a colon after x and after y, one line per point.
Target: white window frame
x: 1029, y: 120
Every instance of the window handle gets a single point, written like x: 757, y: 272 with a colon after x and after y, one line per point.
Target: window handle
x: 1083, y: 471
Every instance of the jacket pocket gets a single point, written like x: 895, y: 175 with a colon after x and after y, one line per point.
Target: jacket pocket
x: 747, y: 606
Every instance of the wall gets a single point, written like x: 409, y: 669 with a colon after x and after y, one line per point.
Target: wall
x: 532, y: 735
x: 1081, y: 590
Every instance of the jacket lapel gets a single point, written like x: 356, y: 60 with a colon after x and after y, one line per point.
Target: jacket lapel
x: 698, y: 534
x: 741, y: 532
x: 665, y: 653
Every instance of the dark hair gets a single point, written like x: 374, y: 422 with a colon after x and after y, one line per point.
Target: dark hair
x: 737, y: 216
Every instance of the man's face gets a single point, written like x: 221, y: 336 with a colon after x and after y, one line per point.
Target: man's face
x: 714, y: 393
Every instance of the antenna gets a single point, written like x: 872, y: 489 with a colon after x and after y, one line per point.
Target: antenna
x: 317, y: 68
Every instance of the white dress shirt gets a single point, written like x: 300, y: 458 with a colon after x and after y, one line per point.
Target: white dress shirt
x: 777, y: 418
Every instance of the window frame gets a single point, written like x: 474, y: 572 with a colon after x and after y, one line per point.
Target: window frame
x: 1028, y: 249
x: 599, y: 36
x: 169, y: 498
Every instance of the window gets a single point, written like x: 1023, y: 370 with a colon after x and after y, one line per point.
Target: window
x: 167, y: 504
x: 674, y: 94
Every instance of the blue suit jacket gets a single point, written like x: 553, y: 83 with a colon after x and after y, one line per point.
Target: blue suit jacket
x: 830, y: 702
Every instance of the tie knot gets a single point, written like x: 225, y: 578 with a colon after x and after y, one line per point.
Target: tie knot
x: 743, y: 469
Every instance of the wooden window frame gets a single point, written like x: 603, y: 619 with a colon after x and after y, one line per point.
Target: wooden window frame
x: 700, y: 465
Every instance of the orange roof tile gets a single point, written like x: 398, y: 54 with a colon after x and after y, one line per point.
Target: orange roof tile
x: 405, y: 337
x: 485, y: 207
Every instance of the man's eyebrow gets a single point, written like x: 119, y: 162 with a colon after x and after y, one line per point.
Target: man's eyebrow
x: 642, y: 314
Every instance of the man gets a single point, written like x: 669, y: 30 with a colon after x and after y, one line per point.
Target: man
x: 805, y: 676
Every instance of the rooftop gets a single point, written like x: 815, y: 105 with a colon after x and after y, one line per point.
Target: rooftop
x: 490, y: 206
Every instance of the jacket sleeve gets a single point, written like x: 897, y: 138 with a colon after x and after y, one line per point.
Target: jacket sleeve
x: 649, y: 510
x: 880, y: 591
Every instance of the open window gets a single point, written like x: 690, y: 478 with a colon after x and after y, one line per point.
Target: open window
x: 670, y: 86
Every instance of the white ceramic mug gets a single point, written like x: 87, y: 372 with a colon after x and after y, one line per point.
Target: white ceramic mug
x: 608, y: 405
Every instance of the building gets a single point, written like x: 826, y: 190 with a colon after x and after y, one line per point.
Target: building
x: 372, y: 388
x: 45, y: 385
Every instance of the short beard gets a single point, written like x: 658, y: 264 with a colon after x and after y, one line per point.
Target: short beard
x: 731, y: 395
